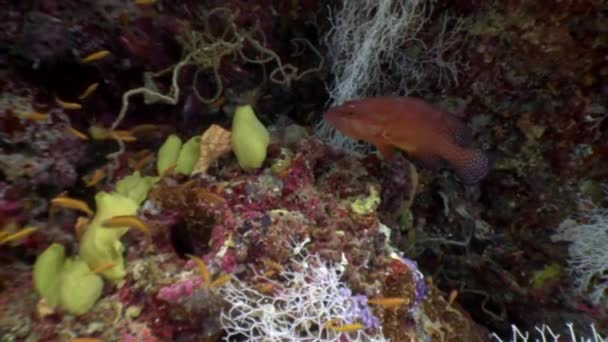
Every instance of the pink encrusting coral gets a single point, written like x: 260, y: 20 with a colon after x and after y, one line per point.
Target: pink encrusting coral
x: 174, y: 292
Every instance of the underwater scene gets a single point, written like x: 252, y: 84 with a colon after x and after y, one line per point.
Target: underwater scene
x: 303, y: 170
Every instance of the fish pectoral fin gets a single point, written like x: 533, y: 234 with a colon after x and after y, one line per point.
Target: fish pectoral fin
x: 429, y: 161
x: 399, y: 143
x: 387, y: 151
x: 409, y: 148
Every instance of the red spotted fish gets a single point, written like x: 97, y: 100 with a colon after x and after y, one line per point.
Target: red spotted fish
x: 425, y: 133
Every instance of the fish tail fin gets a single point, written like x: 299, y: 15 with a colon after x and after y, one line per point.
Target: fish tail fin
x: 471, y: 165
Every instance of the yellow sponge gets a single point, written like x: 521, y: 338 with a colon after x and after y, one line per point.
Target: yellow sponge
x: 188, y: 156
x: 250, y: 138
x: 47, y: 273
x: 168, y: 153
x: 101, y: 245
x: 80, y: 287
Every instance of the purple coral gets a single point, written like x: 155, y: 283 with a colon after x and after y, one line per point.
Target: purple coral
x: 311, y: 296
x: 418, y: 278
x: 360, y: 311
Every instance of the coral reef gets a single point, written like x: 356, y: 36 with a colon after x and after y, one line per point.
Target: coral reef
x: 246, y: 225
x: 136, y: 100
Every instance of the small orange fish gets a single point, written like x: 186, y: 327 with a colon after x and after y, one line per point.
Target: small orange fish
x: 101, y: 133
x: 150, y: 131
x: 87, y: 92
x: 387, y: 301
x: 452, y: 297
x: 131, y: 221
x: 144, y: 128
x: 70, y: 203
x: 269, y: 273
x: 346, y: 327
x: 94, y: 177
x: 272, y: 264
x: 332, y: 324
x: 221, y: 280
x: 80, y: 226
x: 21, y: 234
x: 95, y: 56
x: 266, y: 288
x: 33, y: 116
x: 169, y: 170
x: 103, y: 267
x: 202, y: 269
x: 140, y: 164
x: 67, y: 105
x: 414, y: 126
x: 78, y: 134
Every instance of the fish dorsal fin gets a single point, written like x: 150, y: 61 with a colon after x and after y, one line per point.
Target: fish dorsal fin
x: 387, y: 151
x: 449, y: 125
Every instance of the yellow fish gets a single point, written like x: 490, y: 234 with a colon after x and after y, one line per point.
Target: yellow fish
x: 202, y: 269
x: 95, y: 56
x: 104, y: 267
x: 68, y: 105
x: 33, y: 116
x: 78, y: 134
x: 93, y: 178
x: 221, y: 280
x: 131, y: 221
x: 71, y: 203
x: 87, y: 92
x: 388, y: 301
x: 18, y: 235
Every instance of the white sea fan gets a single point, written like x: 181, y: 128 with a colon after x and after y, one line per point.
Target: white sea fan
x: 309, y: 296
x: 374, y: 48
x: 545, y: 334
x: 588, y: 254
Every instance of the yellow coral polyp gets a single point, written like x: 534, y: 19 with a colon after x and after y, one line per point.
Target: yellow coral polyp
x: 367, y: 205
